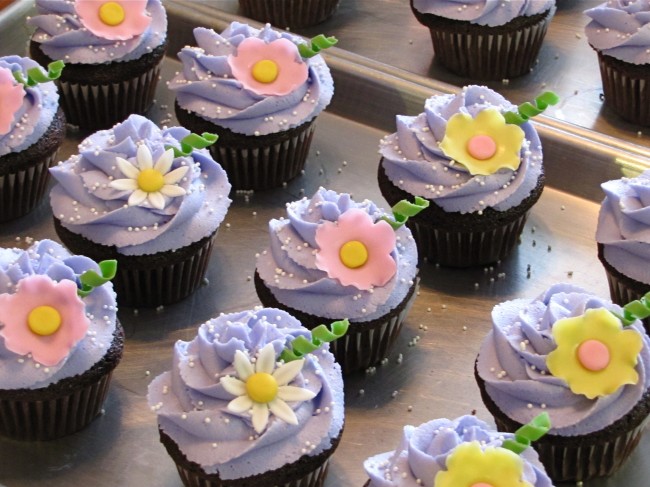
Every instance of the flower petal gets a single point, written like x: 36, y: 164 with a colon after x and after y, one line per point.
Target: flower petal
x: 243, y: 365
x: 176, y: 175
x: 233, y: 386
x: 124, y: 184
x: 145, y: 161
x: 287, y: 372
x: 164, y: 162
x: 240, y: 404
x: 128, y: 169
x: 266, y: 359
x: 282, y: 410
x: 156, y: 200
x: 137, y: 197
x: 291, y: 393
x: 172, y: 190
x: 260, y: 416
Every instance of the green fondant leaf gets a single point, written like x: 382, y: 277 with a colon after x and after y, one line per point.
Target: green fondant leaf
x: 527, y: 110
x: 316, y: 45
x: 635, y: 310
x: 36, y: 75
x: 404, y: 209
x: 90, y: 279
x: 319, y: 335
x: 528, y: 433
x: 193, y: 142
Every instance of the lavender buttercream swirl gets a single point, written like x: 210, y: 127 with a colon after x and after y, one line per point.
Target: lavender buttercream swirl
x: 483, y: 12
x: 624, y: 225
x: 288, y: 267
x: 51, y: 259
x: 414, y: 162
x: 62, y: 35
x: 512, y: 362
x: 86, y: 204
x: 35, y: 116
x: 424, y: 449
x: 206, y: 86
x: 621, y: 29
x: 191, y: 392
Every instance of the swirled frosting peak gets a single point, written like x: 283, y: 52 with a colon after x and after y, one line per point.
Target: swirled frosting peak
x: 192, y: 403
x: 35, y: 111
x: 291, y: 269
x: 50, y: 260
x: 414, y: 161
x: 424, y: 450
x: 208, y: 87
x: 624, y: 225
x: 621, y: 29
x: 62, y: 33
x: 153, y: 214
x: 483, y: 12
x: 513, y: 362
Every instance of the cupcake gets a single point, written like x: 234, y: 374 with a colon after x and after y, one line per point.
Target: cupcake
x: 256, y: 91
x: 132, y: 195
x: 294, y: 14
x: 480, y: 173
x: 32, y: 128
x: 619, y: 33
x: 234, y: 410
x: 451, y: 453
x: 332, y: 258
x: 623, y: 236
x: 59, y: 341
x: 112, y: 51
x: 486, y: 40
x: 568, y: 353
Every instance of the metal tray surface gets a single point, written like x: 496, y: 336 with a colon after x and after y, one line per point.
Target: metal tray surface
x: 434, y: 377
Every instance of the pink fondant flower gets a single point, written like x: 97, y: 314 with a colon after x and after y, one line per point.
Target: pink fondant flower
x: 116, y: 20
x: 273, y: 68
x: 11, y: 99
x: 44, y: 317
x: 356, y: 251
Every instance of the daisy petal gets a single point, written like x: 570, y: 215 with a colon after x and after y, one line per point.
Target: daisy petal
x: 240, y: 404
x: 287, y: 372
x: 156, y: 200
x: 266, y: 359
x: 137, y: 197
x: 128, y: 169
x: 176, y: 175
x: 145, y: 160
x: 233, y: 386
x: 291, y: 393
x: 260, y: 416
x: 243, y: 366
x: 282, y: 410
x: 124, y: 184
x: 172, y: 190
x: 164, y: 162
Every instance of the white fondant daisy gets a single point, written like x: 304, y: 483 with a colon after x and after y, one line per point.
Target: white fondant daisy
x: 262, y: 388
x: 150, y: 182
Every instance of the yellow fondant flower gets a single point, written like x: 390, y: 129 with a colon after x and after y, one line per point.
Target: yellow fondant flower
x: 594, y: 354
x: 483, y: 144
x: 470, y: 466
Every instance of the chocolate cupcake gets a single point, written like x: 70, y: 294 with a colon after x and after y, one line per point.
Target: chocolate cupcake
x: 486, y: 40
x: 139, y: 195
x: 256, y: 91
x: 293, y: 14
x: 60, y: 342
x: 112, y: 50
x: 32, y: 128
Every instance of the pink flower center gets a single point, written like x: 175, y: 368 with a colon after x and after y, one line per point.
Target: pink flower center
x: 593, y: 355
x: 481, y: 484
x: 481, y: 147
x: 111, y: 13
x: 265, y: 71
x: 44, y: 320
x: 353, y: 254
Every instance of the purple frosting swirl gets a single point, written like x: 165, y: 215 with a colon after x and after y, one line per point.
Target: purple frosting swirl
x: 85, y: 203
x: 414, y: 162
x: 61, y: 35
x: 483, y: 12
x: 207, y: 88
x: 289, y: 270
x: 51, y: 259
x: 624, y: 225
x: 512, y: 362
x: 621, y: 29
x: 423, y: 453
x: 40, y: 104
x: 191, y: 392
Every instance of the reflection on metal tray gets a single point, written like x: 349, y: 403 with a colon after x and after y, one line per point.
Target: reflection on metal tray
x: 423, y: 379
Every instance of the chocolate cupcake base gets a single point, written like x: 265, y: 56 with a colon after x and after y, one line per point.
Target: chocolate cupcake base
x: 365, y: 344
x: 62, y: 408
x: 583, y: 457
x: 255, y: 162
x: 487, y: 53
x: 307, y: 471
x: 289, y: 13
x: 148, y: 280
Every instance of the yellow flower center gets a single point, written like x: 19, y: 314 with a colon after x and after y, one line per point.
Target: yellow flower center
x: 150, y: 180
x: 111, y: 13
x: 265, y: 71
x: 262, y: 387
x: 44, y: 320
x: 593, y: 355
x: 353, y: 254
x: 481, y: 147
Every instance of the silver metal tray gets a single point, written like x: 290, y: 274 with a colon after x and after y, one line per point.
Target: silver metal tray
x: 434, y: 377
